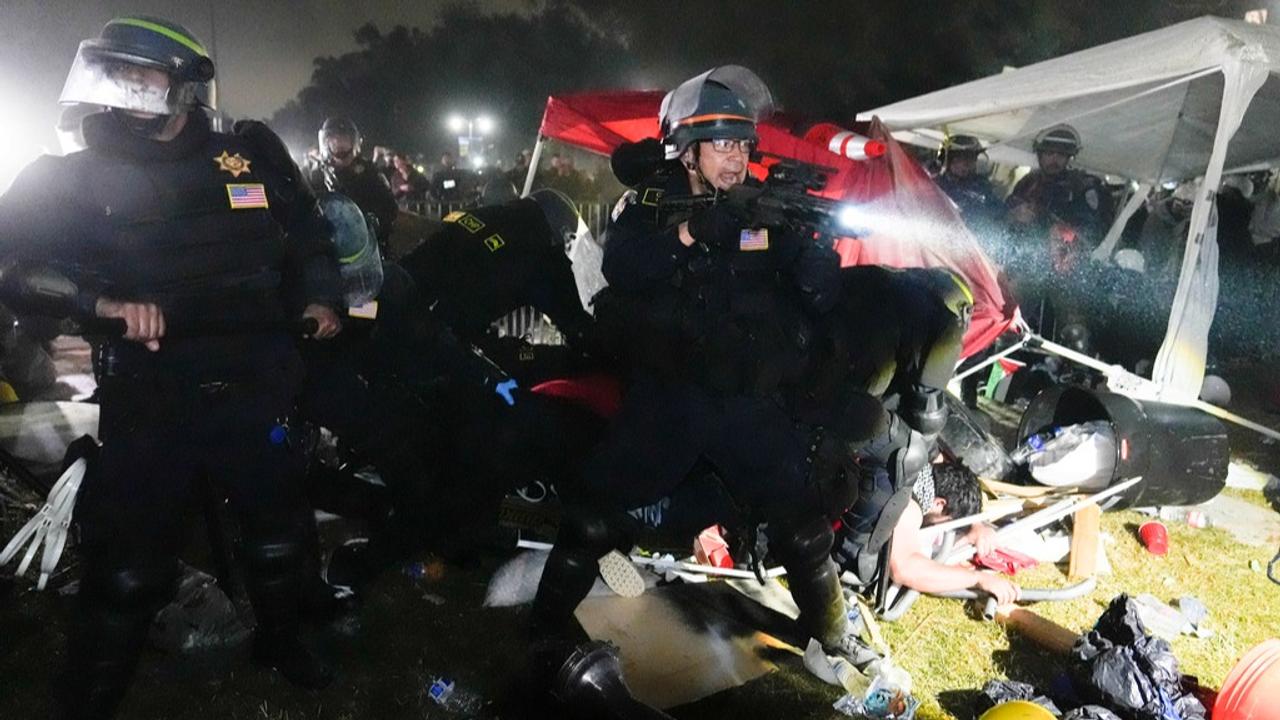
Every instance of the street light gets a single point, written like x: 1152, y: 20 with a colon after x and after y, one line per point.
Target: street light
x: 457, y: 123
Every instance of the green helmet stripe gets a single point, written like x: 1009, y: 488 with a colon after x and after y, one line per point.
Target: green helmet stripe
x: 173, y: 35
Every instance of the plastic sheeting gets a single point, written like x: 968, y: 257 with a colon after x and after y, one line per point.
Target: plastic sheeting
x: 1187, y: 101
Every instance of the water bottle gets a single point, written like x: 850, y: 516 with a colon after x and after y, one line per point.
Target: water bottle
x: 1034, y: 444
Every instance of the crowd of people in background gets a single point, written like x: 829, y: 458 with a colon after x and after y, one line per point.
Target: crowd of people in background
x: 454, y: 181
x: 1043, y: 231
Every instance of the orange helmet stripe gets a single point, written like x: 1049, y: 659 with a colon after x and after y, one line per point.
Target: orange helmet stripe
x: 713, y: 116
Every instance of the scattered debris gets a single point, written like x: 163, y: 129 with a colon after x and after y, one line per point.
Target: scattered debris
x: 199, y: 618
x: 834, y: 670
x: 1120, y: 666
x: 1006, y: 561
x: 621, y: 575
x: 884, y: 700
x: 425, y: 570
x: 447, y: 695
x: 997, y: 692
x: 1154, y: 536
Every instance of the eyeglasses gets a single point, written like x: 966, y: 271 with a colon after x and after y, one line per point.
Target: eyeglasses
x: 724, y: 146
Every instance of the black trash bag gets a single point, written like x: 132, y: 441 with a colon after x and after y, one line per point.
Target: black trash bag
x: 1091, y: 712
x: 200, y: 618
x: 996, y: 692
x: 1120, y: 666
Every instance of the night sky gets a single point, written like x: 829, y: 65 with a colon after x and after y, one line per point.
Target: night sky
x: 264, y: 49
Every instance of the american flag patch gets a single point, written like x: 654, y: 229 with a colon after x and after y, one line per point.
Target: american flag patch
x: 752, y: 240
x: 247, y: 196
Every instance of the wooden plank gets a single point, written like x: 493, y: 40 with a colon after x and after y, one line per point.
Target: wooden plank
x: 1045, y: 633
x: 1085, y: 536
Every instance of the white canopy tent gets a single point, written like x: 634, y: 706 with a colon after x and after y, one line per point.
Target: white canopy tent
x: 1190, y: 101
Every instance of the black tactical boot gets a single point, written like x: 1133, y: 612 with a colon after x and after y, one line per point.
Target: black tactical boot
x: 283, y: 650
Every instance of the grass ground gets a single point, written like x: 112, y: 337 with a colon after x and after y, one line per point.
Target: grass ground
x: 946, y: 651
x: 410, y: 632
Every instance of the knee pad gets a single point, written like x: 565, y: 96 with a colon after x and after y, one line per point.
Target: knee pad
x: 593, y: 530
x: 273, y: 555
x: 925, y: 409
x: 139, y: 589
x: 804, y: 544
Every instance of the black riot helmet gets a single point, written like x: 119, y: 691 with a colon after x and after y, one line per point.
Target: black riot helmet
x: 1060, y: 138
x: 722, y: 103
x: 101, y: 73
x: 338, y: 127
x: 959, y: 145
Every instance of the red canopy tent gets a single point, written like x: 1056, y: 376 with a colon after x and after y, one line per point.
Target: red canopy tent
x: 911, y: 222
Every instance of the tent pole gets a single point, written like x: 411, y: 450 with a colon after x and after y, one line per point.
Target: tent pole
x: 1180, y: 362
x: 992, y: 360
x: 533, y: 165
x: 1115, y: 370
x: 1108, y: 246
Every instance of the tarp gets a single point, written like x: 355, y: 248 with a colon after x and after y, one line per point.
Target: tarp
x: 1188, y: 101
x: 912, y: 222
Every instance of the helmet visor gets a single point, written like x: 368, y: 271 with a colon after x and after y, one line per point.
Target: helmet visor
x: 121, y: 81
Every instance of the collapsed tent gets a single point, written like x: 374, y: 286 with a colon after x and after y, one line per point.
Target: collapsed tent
x: 910, y: 222
x: 1193, y: 100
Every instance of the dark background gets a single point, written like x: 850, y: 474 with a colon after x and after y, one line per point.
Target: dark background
x: 399, y: 68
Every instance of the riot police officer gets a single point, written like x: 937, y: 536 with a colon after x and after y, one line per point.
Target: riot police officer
x: 971, y: 191
x: 1057, y: 215
x: 486, y: 262
x: 717, y: 311
x: 341, y: 169
x: 481, y: 265
x: 1056, y: 193
x: 168, y: 224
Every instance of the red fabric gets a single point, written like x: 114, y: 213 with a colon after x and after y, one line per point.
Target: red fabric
x: 1008, y: 562
x: 912, y: 222
x: 601, y: 394
x: 600, y: 122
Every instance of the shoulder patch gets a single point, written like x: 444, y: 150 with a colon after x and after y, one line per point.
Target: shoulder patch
x: 494, y: 242
x: 469, y: 222
x: 454, y: 216
x: 652, y: 196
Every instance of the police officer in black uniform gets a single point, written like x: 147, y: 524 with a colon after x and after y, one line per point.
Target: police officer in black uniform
x: 1057, y: 216
x: 972, y: 192
x: 487, y: 262
x: 482, y: 434
x: 717, y: 312
x: 167, y: 224
x: 341, y: 169
x: 1056, y: 193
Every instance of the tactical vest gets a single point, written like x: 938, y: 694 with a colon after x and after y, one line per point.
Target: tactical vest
x: 738, y: 326
x: 196, y: 235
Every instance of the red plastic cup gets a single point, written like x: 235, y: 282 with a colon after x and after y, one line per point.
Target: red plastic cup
x: 1154, y: 536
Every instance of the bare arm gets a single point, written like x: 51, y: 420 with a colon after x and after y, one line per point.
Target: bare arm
x: 910, y: 567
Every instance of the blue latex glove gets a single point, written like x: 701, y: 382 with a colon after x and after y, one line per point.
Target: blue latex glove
x: 506, y: 390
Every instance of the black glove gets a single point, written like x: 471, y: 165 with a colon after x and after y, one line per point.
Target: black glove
x: 718, y: 226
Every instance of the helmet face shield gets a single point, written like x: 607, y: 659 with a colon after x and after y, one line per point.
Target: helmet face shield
x: 117, y: 80
x: 338, y: 139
